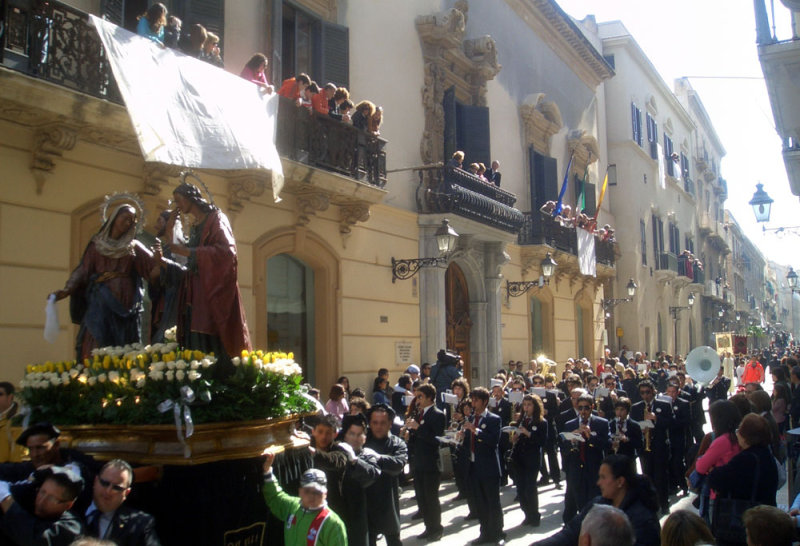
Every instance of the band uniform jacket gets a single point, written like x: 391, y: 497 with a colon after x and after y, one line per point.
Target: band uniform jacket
x: 426, y: 446
x: 659, y: 439
x: 503, y: 409
x: 595, y: 450
x: 487, y: 461
x: 633, y: 431
x: 527, y: 450
x: 130, y: 527
x: 681, y: 419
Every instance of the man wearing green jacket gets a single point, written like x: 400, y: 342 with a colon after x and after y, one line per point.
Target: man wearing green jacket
x: 307, y: 520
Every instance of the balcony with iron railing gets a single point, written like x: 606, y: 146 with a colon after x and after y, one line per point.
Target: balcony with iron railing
x: 453, y: 190
x: 54, y: 42
x: 687, y: 267
x: 543, y: 229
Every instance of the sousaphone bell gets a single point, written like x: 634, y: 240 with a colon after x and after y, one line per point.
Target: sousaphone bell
x: 702, y: 364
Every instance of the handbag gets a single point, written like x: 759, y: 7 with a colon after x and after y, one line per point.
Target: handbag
x: 726, y: 519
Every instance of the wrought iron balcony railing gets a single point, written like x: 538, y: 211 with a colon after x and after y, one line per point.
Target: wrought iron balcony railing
x: 449, y: 189
x: 667, y: 262
x: 689, y: 269
x: 541, y: 229
x: 330, y: 144
x: 55, y: 42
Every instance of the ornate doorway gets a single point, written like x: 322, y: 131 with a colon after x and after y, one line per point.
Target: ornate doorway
x: 457, y: 310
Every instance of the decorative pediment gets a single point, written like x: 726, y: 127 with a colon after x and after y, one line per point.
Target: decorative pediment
x: 584, y: 150
x: 451, y: 61
x: 541, y: 119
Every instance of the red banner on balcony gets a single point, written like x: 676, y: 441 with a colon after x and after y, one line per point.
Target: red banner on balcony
x: 189, y: 113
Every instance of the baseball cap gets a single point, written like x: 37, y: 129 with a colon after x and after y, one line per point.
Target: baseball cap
x: 315, y: 479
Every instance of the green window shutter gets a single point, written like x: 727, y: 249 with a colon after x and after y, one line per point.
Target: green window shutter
x: 472, y: 134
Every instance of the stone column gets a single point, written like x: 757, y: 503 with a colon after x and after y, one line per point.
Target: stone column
x: 432, y: 319
x: 495, y: 258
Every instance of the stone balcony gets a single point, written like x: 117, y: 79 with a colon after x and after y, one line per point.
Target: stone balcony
x: 541, y: 234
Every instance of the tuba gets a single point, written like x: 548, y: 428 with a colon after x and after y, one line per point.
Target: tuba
x: 702, y: 364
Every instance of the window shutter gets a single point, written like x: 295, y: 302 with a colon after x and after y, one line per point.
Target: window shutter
x: 209, y: 13
x: 655, y: 241
x: 544, y: 179
x: 633, y: 122
x: 449, y: 105
x: 335, y: 58
x: 472, y: 133
x: 112, y: 11
x: 643, y: 237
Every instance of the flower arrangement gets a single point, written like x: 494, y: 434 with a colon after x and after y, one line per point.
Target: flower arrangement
x: 136, y: 385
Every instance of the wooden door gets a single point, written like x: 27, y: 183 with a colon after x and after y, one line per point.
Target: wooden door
x: 458, y: 321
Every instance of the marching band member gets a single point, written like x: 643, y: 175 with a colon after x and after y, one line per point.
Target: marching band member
x: 526, y: 455
x: 582, y: 458
x: 626, y: 434
x: 655, y: 453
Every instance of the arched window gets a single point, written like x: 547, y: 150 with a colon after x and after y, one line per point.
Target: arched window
x: 290, y: 309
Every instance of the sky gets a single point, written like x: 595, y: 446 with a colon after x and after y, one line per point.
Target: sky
x: 712, y: 46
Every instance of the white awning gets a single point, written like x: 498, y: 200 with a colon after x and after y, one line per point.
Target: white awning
x: 189, y: 113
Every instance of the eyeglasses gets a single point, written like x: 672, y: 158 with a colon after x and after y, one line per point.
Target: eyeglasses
x: 584, y: 408
x: 105, y: 484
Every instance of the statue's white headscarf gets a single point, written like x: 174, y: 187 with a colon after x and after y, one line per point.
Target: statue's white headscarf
x: 116, y: 248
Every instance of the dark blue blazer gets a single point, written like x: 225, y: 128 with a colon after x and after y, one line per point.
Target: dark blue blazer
x: 487, y: 461
x: 659, y: 440
x: 596, y: 445
x: 634, y: 433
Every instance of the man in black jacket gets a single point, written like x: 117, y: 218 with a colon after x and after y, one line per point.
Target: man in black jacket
x: 678, y: 433
x: 383, y: 496
x: 38, y: 511
x: 655, y: 453
x: 718, y: 387
x: 108, y: 518
x: 425, y: 427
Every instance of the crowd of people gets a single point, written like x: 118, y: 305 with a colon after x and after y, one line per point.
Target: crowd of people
x: 624, y: 437
x: 578, y: 219
x: 166, y: 31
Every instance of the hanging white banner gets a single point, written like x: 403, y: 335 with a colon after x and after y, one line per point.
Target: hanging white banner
x: 586, y: 256
x: 189, y: 113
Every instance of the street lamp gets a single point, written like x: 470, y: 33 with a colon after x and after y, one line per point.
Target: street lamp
x: 674, y: 312
x: 611, y: 303
x: 761, y: 203
x: 446, y: 238
x: 517, y: 288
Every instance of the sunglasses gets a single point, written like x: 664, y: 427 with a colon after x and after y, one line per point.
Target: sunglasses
x: 584, y: 408
x: 105, y: 484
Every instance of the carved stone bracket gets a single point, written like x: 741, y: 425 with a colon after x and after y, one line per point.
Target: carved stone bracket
x: 157, y: 175
x: 49, y: 144
x: 584, y: 150
x: 242, y: 188
x: 308, y: 204
x: 350, y: 214
x: 541, y: 119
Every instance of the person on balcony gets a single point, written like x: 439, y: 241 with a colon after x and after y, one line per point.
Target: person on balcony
x: 374, y: 124
x: 364, y: 111
x: 172, y: 32
x: 292, y: 88
x: 152, y: 22
x: 308, y: 94
x: 255, y: 71
x: 457, y: 160
x: 192, y: 43
x: 493, y: 174
x: 211, y: 53
x: 338, y: 104
x: 320, y: 101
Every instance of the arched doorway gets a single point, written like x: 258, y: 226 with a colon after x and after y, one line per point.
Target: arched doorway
x: 457, y: 310
x: 290, y: 309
